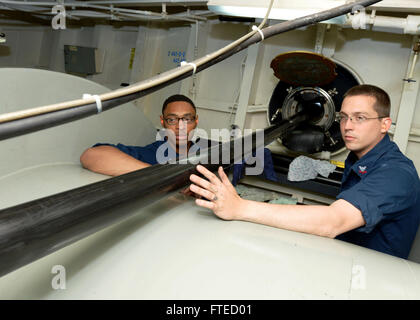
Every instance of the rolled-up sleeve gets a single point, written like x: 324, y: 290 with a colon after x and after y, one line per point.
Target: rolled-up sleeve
x: 146, y: 154
x: 382, y: 194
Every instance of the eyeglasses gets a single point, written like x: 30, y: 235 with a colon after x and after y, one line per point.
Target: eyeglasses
x: 174, y: 120
x: 342, y: 118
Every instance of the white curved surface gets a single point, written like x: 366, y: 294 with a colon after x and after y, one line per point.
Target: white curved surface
x: 175, y: 250
x: 24, y: 88
x: 43, y: 180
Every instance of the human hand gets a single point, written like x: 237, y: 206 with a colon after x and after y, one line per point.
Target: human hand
x: 224, y: 200
x: 189, y: 193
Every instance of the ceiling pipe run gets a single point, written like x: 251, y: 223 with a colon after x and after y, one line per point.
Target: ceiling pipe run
x: 122, y: 13
x: 284, y: 10
x: 362, y: 20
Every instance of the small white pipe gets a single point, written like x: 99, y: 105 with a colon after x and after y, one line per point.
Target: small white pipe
x: 387, y: 22
x: 23, y: 7
x: 88, y: 13
x: 191, y: 15
x: 413, y: 65
x: 408, y: 102
x: 409, y: 25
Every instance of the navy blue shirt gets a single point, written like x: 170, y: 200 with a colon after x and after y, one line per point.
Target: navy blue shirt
x: 385, y: 187
x: 148, y: 153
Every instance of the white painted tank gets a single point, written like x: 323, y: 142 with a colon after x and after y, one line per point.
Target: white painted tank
x: 173, y: 249
x: 24, y: 88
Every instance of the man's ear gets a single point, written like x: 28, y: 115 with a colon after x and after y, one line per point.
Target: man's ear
x: 386, y: 125
x: 162, y: 121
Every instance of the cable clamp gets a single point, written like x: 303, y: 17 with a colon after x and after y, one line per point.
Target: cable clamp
x: 97, y: 99
x: 185, y: 63
x: 259, y: 30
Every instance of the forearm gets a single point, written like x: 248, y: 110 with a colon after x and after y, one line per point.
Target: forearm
x: 319, y: 220
x: 328, y: 221
x: 110, y: 161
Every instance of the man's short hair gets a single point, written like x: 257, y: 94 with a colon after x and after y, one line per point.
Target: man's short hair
x: 176, y: 98
x: 383, y: 103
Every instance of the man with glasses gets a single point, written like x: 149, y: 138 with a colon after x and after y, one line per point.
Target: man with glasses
x: 178, y: 117
x: 379, y: 203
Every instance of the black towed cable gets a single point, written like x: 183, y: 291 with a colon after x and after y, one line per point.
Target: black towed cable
x: 32, y: 230
x: 10, y: 127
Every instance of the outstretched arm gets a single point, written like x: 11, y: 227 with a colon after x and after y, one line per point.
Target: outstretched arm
x: 109, y: 160
x: 327, y: 221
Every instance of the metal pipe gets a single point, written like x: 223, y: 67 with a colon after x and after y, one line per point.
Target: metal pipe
x: 416, y: 50
x: 21, y: 6
x: 408, y: 25
x: 37, y: 228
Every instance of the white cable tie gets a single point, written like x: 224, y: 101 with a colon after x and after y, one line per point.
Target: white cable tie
x: 259, y: 30
x: 185, y: 63
x: 97, y: 99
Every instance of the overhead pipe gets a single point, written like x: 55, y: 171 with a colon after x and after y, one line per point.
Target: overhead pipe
x: 15, y: 124
x: 74, y: 4
x: 40, y: 227
x: 150, y: 2
x: 415, y: 55
x: 409, y: 25
x: 408, y: 101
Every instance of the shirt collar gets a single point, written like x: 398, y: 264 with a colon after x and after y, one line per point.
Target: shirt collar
x: 361, y: 166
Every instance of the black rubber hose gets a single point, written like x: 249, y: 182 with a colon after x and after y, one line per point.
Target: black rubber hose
x: 37, y: 228
x: 39, y: 122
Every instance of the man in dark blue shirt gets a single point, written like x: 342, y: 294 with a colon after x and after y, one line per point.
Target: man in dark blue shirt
x: 384, y: 186
x: 379, y: 203
x: 178, y: 117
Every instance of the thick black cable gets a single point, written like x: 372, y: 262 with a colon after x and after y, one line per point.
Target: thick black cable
x: 32, y: 230
x: 31, y: 124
